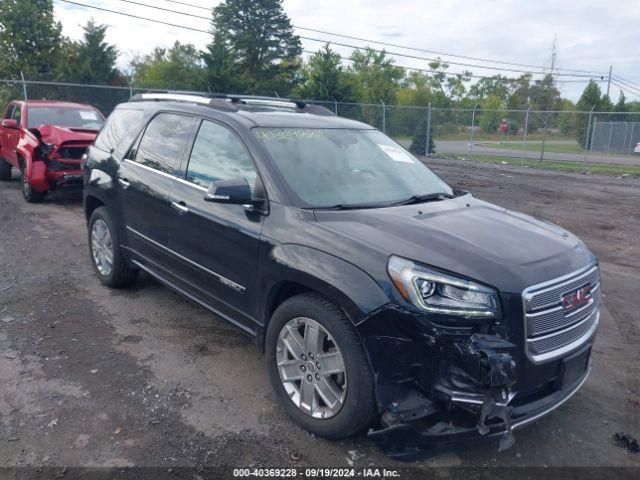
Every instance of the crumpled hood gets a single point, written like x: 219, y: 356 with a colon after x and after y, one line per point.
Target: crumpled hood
x: 56, y: 135
x: 498, y: 247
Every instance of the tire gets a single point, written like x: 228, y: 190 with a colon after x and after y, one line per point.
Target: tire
x: 28, y: 193
x: 5, y: 169
x: 119, y: 274
x: 358, y: 406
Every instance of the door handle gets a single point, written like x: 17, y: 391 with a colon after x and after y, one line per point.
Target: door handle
x: 180, y: 207
x: 124, y: 183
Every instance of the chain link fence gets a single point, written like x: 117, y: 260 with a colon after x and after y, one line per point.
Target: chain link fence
x: 523, y: 134
x: 615, y: 137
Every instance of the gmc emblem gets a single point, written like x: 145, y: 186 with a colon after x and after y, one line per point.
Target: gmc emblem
x: 577, y: 298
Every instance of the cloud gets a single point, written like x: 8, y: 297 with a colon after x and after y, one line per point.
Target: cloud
x: 592, y: 34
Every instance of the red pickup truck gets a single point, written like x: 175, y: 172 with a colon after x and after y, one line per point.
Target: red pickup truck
x: 45, y: 140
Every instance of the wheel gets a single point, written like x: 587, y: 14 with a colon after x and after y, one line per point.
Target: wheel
x: 104, y: 248
x: 5, y: 169
x: 29, y: 194
x: 318, y: 367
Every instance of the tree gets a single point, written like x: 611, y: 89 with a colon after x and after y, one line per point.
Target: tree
x: 30, y: 39
x: 179, y: 68
x: 419, y: 142
x: 93, y: 60
x: 261, y: 36
x: 590, y: 99
x: 324, y: 78
x: 491, y: 114
x: 376, y: 78
x: 621, y: 107
x: 222, y: 70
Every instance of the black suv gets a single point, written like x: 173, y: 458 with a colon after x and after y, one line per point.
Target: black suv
x: 381, y: 295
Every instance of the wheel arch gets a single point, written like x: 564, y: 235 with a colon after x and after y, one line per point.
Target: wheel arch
x: 296, y: 269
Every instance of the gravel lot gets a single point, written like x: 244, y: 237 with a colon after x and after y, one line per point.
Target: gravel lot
x: 95, y: 377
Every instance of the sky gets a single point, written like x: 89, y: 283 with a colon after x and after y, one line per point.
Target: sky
x: 591, y: 34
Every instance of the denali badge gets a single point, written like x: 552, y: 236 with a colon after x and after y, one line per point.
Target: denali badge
x: 577, y: 298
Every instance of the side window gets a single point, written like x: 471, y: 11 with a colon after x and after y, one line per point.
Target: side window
x: 9, y: 111
x: 17, y: 114
x: 163, y: 141
x: 120, y: 128
x: 217, y: 154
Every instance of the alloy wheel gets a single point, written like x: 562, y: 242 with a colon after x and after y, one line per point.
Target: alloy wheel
x: 102, y: 247
x: 311, y: 368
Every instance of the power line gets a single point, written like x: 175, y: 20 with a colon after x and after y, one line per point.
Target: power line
x: 624, y: 89
x: 397, y: 54
x: 626, y: 82
x: 433, y: 52
x: 402, y: 67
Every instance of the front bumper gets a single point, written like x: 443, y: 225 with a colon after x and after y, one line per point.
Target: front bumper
x: 439, y: 384
x: 405, y: 441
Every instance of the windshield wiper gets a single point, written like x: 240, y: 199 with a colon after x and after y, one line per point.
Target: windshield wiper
x: 427, y: 197
x: 354, y: 206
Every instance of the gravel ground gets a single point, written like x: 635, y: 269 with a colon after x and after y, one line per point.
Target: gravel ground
x: 93, y: 377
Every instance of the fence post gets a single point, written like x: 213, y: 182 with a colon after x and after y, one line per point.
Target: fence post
x: 593, y: 133
x: 335, y: 107
x: 427, y: 153
x: 544, y: 136
x: 610, y: 133
x: 524, y: 138
x: 473, y: 121
x: 131, y: 88
x: 384, y: 117
x: 586, y: 140
x: 633, y: 125
x: 24, y: 87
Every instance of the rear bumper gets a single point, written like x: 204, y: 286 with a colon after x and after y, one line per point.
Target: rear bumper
x: 405, y: 441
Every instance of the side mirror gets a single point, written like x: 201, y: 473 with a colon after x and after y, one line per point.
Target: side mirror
x: 11, y: 123
x: 236, y: 191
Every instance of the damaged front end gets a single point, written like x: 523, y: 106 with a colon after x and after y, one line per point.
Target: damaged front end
x: 58, y: 157
x: 439, y: 382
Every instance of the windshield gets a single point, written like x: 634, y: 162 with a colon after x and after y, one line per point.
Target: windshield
x: 65, y: 117
x: 344, y: 167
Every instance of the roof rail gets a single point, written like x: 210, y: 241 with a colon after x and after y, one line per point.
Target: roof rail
x: 230, y: 102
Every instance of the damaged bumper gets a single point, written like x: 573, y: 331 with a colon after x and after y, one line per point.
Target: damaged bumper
x: 438, y: 384
x: 405, y: 440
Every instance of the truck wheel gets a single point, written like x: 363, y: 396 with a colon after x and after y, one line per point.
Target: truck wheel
x: 5, y: 169
x: 104, y: 249
x: 29, y: 194
x: 318, y: 368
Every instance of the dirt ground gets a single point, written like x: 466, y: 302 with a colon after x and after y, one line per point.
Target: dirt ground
x: 92, y: 377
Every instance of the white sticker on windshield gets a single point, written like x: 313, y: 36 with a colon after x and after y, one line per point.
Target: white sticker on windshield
x: 88, y: 115
x: 397, y: 154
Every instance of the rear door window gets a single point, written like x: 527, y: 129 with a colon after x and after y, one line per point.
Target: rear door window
x: 119, y: 130
x: 164, y: 141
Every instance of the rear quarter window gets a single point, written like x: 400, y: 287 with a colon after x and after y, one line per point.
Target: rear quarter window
x: 120, y: 129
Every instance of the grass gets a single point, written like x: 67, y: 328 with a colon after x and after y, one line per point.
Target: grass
x: 492, y: 137
x: 536, y: 147
x: 602, y: 168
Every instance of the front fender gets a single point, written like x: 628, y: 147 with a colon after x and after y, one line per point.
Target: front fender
x: 340, y: 281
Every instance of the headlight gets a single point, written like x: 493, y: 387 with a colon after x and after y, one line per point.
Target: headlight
x: 46, y: 149
x: 439, y: 293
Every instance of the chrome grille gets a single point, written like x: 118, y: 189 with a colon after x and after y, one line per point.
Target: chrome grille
x: 544, y: 297
x: 551, y: 331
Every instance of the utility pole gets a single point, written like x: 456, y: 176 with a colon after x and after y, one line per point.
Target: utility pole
x: 609, y: 81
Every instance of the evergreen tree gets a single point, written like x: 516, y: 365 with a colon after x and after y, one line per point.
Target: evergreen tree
x: 324, y: 78
x: 419, y: 142
x: 590, y: 99
x: 93, y: 61
x: 222, y: 71
x: 30, y: 39
x: 261, y: 37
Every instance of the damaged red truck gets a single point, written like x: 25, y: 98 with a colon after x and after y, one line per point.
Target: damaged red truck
x: 45, y: 141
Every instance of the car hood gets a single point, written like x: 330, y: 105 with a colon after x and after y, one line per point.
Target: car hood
x: 498, y: 247
x: 57, y: 135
